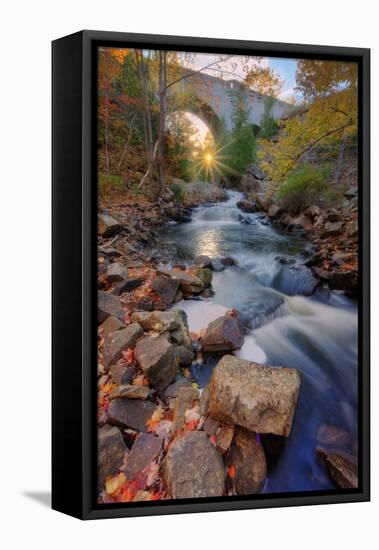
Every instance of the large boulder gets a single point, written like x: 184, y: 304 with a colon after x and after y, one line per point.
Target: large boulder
x: 166, y: 288
x: 145, y: 449
x: 223, y: 334
x: 193, y: 468
x: 111, y: 452
x: 342, y: 468
x: 248, y: 459
x: 131, y: 413
x: 173, y: 321
x: 157, y: 358
x: 259, y: 398
x: 107, y: 305
x: 108, y: 226
x: 120, y: 340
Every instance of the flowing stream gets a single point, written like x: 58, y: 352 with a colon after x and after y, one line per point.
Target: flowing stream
x: 288, y: 324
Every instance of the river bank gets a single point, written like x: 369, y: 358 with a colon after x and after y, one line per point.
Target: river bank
x: 245, y: 292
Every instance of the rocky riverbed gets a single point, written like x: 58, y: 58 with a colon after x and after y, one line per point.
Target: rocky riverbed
x: 209, y: 377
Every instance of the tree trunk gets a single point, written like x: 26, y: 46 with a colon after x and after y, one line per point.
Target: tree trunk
x: 142, y: 68
x: 340, y: 159
x: 106, y: 130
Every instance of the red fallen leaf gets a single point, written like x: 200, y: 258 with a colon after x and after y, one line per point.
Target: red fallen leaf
x: 231, y: 471
x: 192, y: 425
x: 213, y: 440
x: 128, y: 355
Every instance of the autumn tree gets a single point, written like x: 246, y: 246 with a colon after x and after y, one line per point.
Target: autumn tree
x: 327, y: 118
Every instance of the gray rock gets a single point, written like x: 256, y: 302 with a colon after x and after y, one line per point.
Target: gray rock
x: 172, y: 390
x: 107, y: 305
x: 193, y: 468
x: 173, y: 321
x: 123, y: 374
x: 145, y: 449
x: 166, y: 288
x: 116, y: 272
x: 111, y: 324
x: 111, y: 452
x: 332, y: 229
x: 156, y: 357
x: 108, y: 226
x: 131, y: 413
x: 120, y: 340
x: 259, y: 398
x: 130, y: 391
x: 187, y: 282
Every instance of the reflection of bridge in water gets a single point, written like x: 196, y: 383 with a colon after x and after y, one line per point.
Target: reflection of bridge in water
x: 216, y: 100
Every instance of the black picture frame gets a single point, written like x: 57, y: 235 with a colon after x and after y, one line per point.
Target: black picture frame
x: 74, y: 273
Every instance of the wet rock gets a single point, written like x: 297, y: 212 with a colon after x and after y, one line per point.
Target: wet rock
x: 205, y: 274
x: 333, y: 216
x: 193, y: 468
x: 183, y: 355
x: 184, y: 400
x: 343, y: 468
x: 328, y: 434
x: 187, y: 282
x: 228, y: 261
x: 217, y: 265
x: 120, y: 340
x: 248, y: 458
x: 108, y: 226
x: 259, y: 398
x: 285, y: 260
x: 295, y: 279
x: 111, y: 452
x: 352, y: 230
x: 122, y: 374
x: 166, y: 288
x: 344, y: 280
x: 203, y: 261
x: 156, y: 357
x: 127, y: 286
x: 111, y: 324
x: 131, y: 413
x: 116, y: 272
x: 178, y: 297
x: 332, y: 229
x: 223, y: 334
x: 247, y: 206
x: 132, y: 392
x: 144, y: 450
x: 107, y: 305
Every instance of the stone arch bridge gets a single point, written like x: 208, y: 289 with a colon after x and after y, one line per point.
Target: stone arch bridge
x: 216, y: 100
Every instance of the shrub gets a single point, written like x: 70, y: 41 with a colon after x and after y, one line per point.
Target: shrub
x: 305, y: 186
x: 178, y: 192
x: 269, y: 126
x: 107, y: 182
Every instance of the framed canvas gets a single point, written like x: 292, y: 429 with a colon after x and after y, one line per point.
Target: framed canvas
x: 210, y: 275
